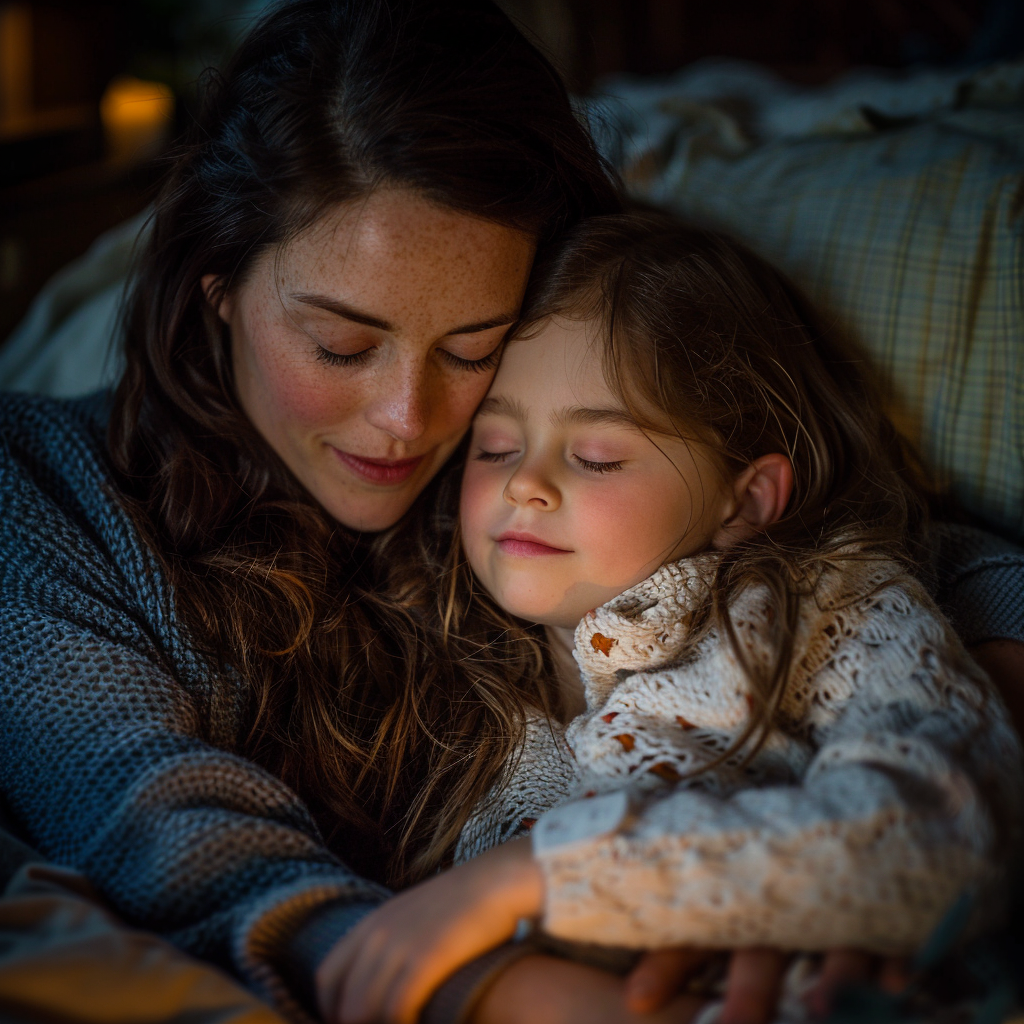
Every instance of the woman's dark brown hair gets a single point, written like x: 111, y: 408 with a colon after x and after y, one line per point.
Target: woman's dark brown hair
x: 389, y: 735
x: 706, y: 341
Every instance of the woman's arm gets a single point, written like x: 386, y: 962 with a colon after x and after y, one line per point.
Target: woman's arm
x: 547, y: 990
x: 1003, y: 660
x: 116, y: 740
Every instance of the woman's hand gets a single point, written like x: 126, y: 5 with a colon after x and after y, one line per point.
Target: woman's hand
x: 549, y: 990
x: 754, y: 980
x: 1003, y: 660
x: 386, y: 968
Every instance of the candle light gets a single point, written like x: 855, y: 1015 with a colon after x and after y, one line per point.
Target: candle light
x: 136, y: 117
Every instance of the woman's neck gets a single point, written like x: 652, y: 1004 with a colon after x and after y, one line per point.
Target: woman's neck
x: 570, y: 686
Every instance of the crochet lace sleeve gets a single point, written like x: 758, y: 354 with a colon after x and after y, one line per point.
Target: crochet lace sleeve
x: 118, y: 745
x: 888, y: 789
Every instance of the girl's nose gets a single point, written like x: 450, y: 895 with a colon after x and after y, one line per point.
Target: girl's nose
x: 401, y: 406
x: 531, y: 487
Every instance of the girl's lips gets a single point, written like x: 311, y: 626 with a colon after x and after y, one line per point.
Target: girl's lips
x: 380, y: 471
x: 525, y: 545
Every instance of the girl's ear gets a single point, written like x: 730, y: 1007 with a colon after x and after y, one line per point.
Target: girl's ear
x: 219, y: 299
x: 761, y: 493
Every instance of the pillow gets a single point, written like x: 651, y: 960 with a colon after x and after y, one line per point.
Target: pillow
x: 67, y: 343
x: 896, y: 204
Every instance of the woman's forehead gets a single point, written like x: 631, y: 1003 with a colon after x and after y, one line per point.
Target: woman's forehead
x: 395, y: 256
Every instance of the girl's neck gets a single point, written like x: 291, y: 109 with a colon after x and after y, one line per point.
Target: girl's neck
x: 570, y: 686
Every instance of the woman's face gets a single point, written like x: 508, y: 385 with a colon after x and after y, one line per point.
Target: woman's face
x: 362, y: 347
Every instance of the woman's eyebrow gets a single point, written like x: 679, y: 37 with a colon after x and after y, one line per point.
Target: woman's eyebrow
x: 343, y: 309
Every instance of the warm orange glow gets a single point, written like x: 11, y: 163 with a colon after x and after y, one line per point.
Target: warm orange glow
x: 136, y: 116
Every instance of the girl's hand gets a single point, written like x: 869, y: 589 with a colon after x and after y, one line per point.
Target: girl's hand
x: 386, y: 968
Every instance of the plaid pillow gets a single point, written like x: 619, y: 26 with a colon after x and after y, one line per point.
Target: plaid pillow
x: 897, y: 205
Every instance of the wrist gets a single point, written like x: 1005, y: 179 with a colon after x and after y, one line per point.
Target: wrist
x: 520, y: 881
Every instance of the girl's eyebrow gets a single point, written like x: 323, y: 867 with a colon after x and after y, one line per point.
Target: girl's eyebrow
x: 577, y: 414
x: 347, y: 312
x: 502, y: 405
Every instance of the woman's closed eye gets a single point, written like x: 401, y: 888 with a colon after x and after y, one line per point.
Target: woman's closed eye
x: 325, y: 355
x: 487, y: 362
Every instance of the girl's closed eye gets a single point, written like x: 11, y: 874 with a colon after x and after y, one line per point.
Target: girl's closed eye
x: 502, y: 456
x: 594, y: 466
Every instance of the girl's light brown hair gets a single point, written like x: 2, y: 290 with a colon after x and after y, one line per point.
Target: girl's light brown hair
x: 705, y: 340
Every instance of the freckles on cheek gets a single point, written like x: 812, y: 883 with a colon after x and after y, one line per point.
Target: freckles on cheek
x: 297, y: 395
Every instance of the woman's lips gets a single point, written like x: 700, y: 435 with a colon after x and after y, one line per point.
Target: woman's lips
x: 526, y: 545
x: 380, y: 471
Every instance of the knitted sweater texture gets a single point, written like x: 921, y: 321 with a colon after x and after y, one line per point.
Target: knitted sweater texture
x: 117, y: 742
x: 890, y: 783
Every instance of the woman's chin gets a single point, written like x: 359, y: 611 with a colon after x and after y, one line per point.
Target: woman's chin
x: 368, y: 516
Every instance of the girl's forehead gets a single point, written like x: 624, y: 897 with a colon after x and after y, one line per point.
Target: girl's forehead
x: 560, y: 366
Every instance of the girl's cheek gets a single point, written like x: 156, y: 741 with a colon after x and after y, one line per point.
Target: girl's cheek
x: 621, y: 524
x: 475, y: 511
x: 478, y: 497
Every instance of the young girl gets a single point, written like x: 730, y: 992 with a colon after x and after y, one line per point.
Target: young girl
x: 774, y: 738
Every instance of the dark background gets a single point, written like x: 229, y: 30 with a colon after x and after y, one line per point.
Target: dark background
x: 60, y: 186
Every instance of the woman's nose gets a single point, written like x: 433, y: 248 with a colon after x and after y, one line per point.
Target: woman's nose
x: 530, y: 486
x: 401, y: 406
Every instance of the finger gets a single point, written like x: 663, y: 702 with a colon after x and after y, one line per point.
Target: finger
x: 895, y: 974
x: 840, y: 969
x: 410, y: 991
x: 366, y: 985
x: 330, y: 976
x: 753, y: 985
x: 659, y: 975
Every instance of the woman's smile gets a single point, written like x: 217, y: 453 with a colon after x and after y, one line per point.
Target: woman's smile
x: 379, y: 471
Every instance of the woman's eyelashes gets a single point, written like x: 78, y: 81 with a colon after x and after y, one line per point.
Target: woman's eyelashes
x: 487, y: 362
x: 325, y: 355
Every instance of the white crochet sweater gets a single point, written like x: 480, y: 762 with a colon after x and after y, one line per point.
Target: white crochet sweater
x: 888, y: 786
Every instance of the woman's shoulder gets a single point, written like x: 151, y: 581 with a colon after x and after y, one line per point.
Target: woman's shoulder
x: 71, y: 557
x: 57, y: 490
x: 51, y: 439
x: 64, y: 532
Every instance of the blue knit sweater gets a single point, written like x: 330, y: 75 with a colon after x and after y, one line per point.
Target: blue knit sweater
x: 118, y: 744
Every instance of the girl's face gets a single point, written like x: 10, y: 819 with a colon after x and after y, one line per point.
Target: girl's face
x: 565, y: 501
x: 362, y: 348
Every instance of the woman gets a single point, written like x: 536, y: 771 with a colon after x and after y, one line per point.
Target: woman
x: 217, y: 701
